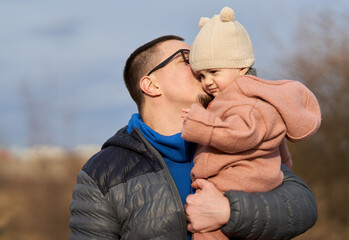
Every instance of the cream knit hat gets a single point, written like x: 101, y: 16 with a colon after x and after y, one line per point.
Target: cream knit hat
x: 221, y: 43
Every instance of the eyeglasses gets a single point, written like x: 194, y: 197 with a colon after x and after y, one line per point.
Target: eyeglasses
x: 166, y: 61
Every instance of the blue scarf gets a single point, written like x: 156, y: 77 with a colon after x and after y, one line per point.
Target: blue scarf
x: 177, y: 153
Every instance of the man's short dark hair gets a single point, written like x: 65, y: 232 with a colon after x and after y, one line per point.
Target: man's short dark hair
x: 139, y: 63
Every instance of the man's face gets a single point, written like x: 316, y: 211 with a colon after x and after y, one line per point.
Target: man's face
x: 177, y: 81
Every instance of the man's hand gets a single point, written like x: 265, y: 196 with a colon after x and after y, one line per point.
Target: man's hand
x: 208, y: 209
x: 186, y: 112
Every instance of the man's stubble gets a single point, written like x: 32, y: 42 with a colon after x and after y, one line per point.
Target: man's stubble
x: 205, y: 99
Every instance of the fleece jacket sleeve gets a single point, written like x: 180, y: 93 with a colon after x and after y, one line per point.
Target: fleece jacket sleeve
x: 236, y: 133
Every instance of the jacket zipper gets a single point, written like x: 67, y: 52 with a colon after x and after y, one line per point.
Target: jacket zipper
x: 170, y: 180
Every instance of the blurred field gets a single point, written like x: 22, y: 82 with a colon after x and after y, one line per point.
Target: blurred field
x: 35, y: 195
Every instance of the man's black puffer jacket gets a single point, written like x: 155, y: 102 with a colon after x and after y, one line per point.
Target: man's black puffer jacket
x: 126, y: 192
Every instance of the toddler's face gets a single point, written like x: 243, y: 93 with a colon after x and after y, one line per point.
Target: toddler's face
x: 214, y: 81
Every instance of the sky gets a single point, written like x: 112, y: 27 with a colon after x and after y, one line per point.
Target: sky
x: 61, y: 62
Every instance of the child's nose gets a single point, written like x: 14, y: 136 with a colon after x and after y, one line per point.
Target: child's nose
x: 208, y: 81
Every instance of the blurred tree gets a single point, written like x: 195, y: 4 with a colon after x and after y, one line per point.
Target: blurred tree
x: 36, y: 114
x: 320, y: 59
x: 48, y: 120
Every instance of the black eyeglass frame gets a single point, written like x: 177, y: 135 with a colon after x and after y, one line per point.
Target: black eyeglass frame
x: 167, y: 60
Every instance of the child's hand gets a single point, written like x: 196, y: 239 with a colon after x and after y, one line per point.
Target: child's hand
x: 186, y: 111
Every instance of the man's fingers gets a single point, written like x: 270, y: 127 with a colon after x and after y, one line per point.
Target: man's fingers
x: 200, y: 184
x: 190, y: 228
x: 190, y: 199
x: 186, y: 211
x: 195, y: 229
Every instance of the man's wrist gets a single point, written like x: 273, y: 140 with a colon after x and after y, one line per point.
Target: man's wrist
x: 234, y: 213
x: 226, y: 211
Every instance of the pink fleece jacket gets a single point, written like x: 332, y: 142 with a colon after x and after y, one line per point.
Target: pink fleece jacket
x: 241, y: 135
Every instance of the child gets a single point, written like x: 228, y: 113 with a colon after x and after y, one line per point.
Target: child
x: 241, y: 134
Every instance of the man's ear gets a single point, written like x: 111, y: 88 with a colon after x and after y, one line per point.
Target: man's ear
x: 149, y: 86
x: 243, y: 71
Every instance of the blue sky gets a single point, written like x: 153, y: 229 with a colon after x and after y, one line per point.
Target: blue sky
x: 61, y: 61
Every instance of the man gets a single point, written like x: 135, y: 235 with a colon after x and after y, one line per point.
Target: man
x: 135, y: 187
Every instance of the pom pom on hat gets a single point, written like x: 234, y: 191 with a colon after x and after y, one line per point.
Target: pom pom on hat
x: 202, y: 22
x: 227, y: 14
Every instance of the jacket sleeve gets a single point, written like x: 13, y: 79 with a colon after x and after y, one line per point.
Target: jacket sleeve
x: 283, y: 213
x: 240, y: 131
x: 91, y: 215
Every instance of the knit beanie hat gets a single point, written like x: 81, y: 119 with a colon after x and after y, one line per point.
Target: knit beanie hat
x: 221, y: 43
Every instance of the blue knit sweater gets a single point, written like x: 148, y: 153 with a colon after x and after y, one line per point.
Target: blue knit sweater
x: 177, y: 153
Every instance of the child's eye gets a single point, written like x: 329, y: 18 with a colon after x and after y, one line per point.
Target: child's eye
x: 213, y: 71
